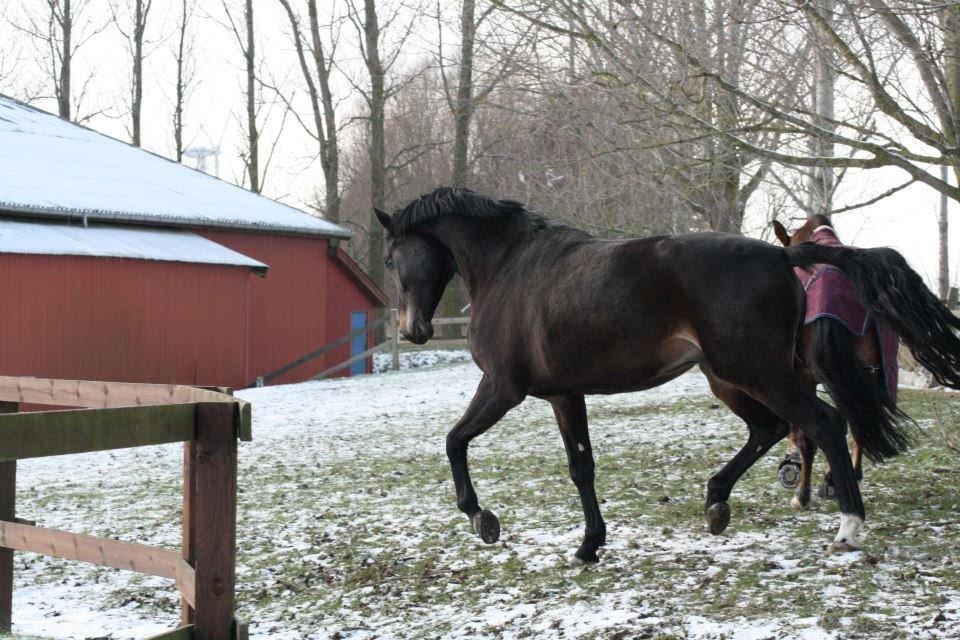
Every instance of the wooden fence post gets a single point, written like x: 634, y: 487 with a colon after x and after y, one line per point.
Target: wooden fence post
x: 8, y: 500
x: 189, y: 498
x: 210, y: 518
x: 394, y: 329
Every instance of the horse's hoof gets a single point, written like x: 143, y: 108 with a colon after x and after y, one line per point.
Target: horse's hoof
x: 798, y: 504
x: 842, y: 547
x: 486, y: 525
x: 826, y: 491
x: 789, y: 473
x: 718, y: 517
x: 588, y: 556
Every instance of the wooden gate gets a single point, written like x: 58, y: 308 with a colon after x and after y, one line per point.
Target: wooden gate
x: 122, y: 415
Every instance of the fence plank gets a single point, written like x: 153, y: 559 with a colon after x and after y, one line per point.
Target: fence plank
x: 324, y: 349
x: 346, y: 363
x: 183, y: 633
x: 443, y: 321
x: 100, y: 551
x: 8, y: 500
x: 214, y: 517
x: 101, y: 395
x: 52, y: 433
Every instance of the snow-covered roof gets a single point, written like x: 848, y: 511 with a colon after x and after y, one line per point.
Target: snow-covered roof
x: 113, y: 241
x: 53, y: 168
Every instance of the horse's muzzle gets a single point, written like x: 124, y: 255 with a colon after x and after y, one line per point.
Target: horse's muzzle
x: 420, y: 332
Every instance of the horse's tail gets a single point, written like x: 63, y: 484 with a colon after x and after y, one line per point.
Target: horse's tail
x: 895, y: 295
x: 862, y: 397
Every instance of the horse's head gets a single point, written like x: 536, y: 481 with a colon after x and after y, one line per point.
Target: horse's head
x: 803, y: 234
x: 421, y: 269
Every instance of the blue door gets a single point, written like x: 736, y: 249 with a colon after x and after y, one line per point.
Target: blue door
x: 358, y: 320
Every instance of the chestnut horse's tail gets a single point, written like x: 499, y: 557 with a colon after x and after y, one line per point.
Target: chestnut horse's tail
x: 861, y: 396
x: 895, y: 295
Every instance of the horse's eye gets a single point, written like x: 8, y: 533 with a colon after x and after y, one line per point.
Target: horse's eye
x: 388, y: 262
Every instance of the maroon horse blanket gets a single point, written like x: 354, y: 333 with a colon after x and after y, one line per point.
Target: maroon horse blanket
x: 831, y: 294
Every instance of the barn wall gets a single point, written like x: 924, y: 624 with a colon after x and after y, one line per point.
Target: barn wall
x: 344, y: 296
x: 288, y: 309
x: 125, y: 320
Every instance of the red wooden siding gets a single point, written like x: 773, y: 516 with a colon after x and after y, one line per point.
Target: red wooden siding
x: 126, y: 320
x: 288, y: 307
x: 344, y: 296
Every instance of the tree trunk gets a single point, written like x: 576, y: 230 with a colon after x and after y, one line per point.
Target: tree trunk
x: 330, y: 148
x: 822, y: 179
x: 139, y: 26
x: 181, y: 85
x: 944, y: 279
x: 378, y: 169
x: 253, y: 161
x: 951, y: 43
x: 66, y: 57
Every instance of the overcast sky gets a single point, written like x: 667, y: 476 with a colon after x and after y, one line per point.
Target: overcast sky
x: 906, y: 221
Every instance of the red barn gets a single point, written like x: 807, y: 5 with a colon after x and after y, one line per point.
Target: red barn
x: 117, y: 264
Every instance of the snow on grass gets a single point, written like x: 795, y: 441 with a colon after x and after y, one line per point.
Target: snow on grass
x: 418, y: 358
x: 348, y: 527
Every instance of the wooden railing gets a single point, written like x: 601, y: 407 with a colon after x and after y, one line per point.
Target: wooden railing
x: 393, y: 342
x: 120, y: 415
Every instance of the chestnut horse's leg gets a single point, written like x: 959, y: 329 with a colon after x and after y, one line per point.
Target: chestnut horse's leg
x: 807, y: 450
x: 766, y: 429
x: 571, y: 415
x: 489, y: 404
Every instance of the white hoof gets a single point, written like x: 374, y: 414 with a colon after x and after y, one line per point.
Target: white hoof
x: 796, y: 504
x: 848, y: 537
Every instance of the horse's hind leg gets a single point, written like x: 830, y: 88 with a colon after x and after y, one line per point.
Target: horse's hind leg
x: 489, y: 404
x: 788, y: 396
x: 826, y: 490
x: 766, y: 429
x: 571, y: 415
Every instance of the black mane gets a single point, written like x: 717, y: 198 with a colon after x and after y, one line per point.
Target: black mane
x: 457, y: 201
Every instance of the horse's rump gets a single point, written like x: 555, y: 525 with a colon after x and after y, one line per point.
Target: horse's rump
x: 830, y: 293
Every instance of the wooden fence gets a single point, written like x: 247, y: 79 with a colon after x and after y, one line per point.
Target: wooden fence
x: 122, y: 415
x: 393, y: 342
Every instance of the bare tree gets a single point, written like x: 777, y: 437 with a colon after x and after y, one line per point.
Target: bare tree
x: 378, y: 61
x: 317, y: 79
x: 138, y: 15
x: 244, y: 34
x: 57, y: 30
x: 185, y: 72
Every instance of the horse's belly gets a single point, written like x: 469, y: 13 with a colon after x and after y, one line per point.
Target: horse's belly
x: 618, y: 370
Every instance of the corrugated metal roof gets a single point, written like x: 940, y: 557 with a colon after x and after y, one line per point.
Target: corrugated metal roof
x: 111, y: 241
x: 50, y: 167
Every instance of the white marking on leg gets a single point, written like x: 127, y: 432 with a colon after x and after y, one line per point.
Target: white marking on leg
x: 580, y: 447
x: 849, y: 530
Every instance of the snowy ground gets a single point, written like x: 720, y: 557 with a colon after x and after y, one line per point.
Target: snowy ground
x: 348, y: 527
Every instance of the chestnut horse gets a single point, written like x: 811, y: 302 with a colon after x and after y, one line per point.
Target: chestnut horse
x: 557, y: 314
x: 851, y: 368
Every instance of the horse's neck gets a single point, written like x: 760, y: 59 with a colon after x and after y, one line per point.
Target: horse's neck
x: 479, y: 250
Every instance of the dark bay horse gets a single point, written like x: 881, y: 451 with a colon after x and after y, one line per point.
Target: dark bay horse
x: 851, y: 368
x: 558, y: 314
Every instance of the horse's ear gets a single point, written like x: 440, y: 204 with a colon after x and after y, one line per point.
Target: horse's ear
x: 781, y: 233
x: 385, y: 220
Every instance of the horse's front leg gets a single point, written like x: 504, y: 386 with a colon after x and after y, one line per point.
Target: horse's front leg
x: 571, y: 412
x: 489, y: 404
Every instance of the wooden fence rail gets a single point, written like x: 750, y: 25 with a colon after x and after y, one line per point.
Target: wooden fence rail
x: 120, y: 415
x: 393, y: 343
